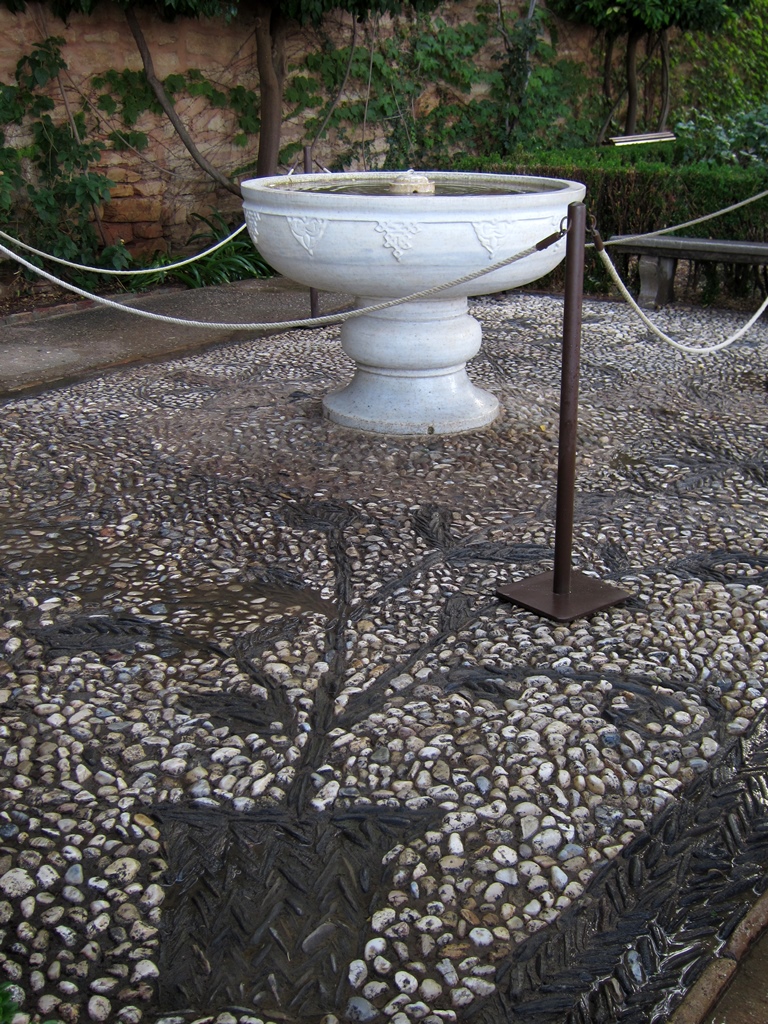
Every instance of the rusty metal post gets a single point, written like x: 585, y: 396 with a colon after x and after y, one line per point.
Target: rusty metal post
x: 569, y: 396
x: 565, y: 594
x: 314, y: 298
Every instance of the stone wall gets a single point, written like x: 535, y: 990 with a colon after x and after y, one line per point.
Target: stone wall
x: 157, y: 190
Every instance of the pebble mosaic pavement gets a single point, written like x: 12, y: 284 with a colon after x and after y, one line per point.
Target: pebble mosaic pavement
x: 272, y: 749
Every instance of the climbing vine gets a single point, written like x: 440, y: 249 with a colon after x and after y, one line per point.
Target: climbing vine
x: 126, y: 95
x: 48, y: 187
x: 51, y: 187
x: 490, y: 87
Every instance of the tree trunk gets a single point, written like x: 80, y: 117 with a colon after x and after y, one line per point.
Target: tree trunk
x: 608, y: 68
x: 665, y: 81
x: 168, y: 108
x: 630, y: 126
x: 270, y: 62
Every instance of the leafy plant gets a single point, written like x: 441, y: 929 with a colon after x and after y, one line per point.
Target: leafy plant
x: 727, y: 71
x: 544, y: 100
x: 740, y: 139
x: 48, y: 191
x: 9, y: 1007
x: 489, y: 88
x: 651, y: 20
x: 238, y: 260
x: 127, y: 95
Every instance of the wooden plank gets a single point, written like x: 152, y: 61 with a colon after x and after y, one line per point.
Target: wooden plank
x: 719, y: 250
x: 637, y: 140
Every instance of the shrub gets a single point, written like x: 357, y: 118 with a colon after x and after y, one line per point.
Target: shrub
x: 238, y: 260
x: 627, y: 194
x: 741, y: 139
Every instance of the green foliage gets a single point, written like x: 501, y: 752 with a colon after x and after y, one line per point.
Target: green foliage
x: 48, y: 191
x: 535, y: 92
x: 306, y: 12
x: 741, y: 139
x: 526, y: 94
x: 239, y: 260
x: 8, y: 1006
x: 127, y: 95
x: 617, y: 17
x: 728, y: 71
x: 632, y: 193
x: 245, y: 104
x: 652, y: 19
x: 36, y: 69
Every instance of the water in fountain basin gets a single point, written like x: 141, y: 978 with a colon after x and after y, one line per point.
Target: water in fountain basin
x: 381, y: 187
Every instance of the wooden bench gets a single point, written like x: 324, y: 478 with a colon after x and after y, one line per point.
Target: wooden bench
x: 639, y: 140
x: 659, y: 256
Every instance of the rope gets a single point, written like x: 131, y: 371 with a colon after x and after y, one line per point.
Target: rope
x: 236, y: 232
x: 287, y: 325
x: 688, y: 223
x: 125, y: 273
x: 695, y: 349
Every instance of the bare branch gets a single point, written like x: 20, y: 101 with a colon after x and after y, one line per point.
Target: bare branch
x: 168, y: 108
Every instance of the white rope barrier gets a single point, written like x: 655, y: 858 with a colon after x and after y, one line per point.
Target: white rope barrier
x: 694, y: 349
x: 600, y: 246
x: 686, y: 224
x: 287, y: 325
x: 222, y: 242
x: 123, y: 273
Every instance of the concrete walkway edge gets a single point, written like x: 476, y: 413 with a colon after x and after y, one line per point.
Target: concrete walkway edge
x: 66, y: 343
x: 722, y: 973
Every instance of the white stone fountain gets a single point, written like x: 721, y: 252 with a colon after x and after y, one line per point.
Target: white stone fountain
x: 382, y: 235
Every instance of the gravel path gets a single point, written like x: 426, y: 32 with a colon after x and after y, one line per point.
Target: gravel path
x: 271, y: 747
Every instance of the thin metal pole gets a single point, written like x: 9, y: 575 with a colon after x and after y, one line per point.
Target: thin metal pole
x: 569, y: 397
x: 565, y: 593
x: 314, y: 301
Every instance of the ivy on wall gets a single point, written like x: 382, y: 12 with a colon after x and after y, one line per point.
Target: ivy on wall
x: 125, y: 95
x: 48, y: 186
x: 490, y: 89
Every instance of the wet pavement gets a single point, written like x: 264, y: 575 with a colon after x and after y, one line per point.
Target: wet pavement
x: 71, y: 341
x: 274, y: 750
x: 745, y: 1001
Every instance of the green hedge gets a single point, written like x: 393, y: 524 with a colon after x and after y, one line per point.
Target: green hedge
x: 627, y: 195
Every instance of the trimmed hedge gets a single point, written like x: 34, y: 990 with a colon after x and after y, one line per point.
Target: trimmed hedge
x: 628, y: 194
x: 634, y: 197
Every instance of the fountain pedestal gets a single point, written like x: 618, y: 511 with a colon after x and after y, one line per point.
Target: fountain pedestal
x: 410, y: 370
x: 384, y: 234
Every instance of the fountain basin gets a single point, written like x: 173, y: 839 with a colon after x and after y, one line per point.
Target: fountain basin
x: 345, y: 232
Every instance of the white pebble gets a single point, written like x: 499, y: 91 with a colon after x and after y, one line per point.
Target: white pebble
x: 143, y: 970
x: 99, y: 1008
x: 357, y: 973
x: 505, y: 856
x: 481, y: 936
x: 383, y: 919
x: 16, y: 882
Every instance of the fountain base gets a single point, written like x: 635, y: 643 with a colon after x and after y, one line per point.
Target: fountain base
x: 400, y: 403
x: 410, y: 371
x: 394, y: 234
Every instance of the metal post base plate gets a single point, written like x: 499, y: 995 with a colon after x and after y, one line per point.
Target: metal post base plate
x: 586, y: 595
